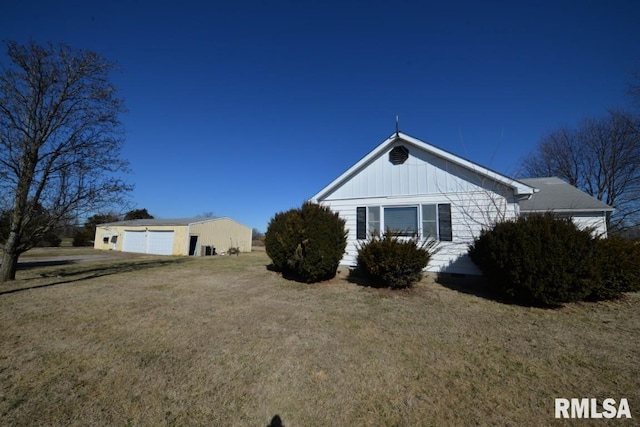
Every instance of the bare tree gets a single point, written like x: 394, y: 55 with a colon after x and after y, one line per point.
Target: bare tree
x: 601, y: 157
x: 256, y: 234
x: 633, y: 88
x: 60, y: 140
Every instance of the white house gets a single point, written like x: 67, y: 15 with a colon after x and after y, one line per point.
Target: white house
x: 415, y: 188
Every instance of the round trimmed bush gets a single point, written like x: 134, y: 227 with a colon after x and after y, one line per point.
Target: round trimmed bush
x: 538, y: 259
x: 393, y: 262
x: 306, y: 243
x: 282, y: 237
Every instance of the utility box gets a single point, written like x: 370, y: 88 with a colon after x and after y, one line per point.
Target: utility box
x: 208, y: 250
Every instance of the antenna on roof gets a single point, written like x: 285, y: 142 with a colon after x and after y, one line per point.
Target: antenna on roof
x: 397, y: 127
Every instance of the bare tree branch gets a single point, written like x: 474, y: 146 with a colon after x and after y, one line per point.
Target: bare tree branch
x: 601, y: 156
x: 60, y: 137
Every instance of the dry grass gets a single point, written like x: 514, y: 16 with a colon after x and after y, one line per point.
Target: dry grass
x: 222, y: 341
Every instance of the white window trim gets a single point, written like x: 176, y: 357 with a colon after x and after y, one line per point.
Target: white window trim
x: 420, y: 229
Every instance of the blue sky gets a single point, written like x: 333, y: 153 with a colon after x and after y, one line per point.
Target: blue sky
x: 248, y: 108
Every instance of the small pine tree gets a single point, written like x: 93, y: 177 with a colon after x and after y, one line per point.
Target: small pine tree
x: 393, y: 262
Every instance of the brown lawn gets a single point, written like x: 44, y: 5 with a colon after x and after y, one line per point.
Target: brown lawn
x: 155, y: 341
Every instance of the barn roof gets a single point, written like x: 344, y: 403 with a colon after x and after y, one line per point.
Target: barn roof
x: 162, y: 221
x: 559, y: 196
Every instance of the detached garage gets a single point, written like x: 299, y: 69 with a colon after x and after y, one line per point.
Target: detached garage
x: 183, y: 236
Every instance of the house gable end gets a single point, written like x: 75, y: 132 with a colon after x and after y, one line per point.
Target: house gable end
x: 426, y: 170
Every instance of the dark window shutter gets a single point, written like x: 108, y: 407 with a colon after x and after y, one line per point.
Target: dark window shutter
x: 444, y: 222
x: 361, y: 227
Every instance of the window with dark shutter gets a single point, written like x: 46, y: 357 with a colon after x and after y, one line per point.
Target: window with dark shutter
x: 361, y: 222
x: 444, y: 223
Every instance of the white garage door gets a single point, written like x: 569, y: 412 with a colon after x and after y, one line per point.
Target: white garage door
x: 160, y: 242
x: 135, y: 241
x: 148, y: 242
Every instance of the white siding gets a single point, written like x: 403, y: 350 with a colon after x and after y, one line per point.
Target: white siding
x: 584, y: 220
x: 599, y: 224
x: 422, y: 173
x: 470, y: 212
x: 478, y: 196
x: 589, y: 220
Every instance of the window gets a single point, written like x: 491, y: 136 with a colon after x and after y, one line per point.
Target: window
x: 429, y: 221
x: 373, y: 223
x: 401, y: 220
x: 435, y: 221
x: 367, y: 221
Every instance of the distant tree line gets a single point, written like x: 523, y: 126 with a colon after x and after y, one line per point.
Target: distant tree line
x: 84, y: 236
x: 257, y: 237
x: 81, y: 235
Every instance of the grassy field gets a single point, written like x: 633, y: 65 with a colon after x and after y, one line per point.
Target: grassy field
x: 222, y: 341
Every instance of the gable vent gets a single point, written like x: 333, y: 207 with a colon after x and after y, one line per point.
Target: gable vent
x: 398, y: 155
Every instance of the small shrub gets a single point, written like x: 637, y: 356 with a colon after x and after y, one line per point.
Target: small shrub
x: 50, y: 239
x: 306, y: 243
x: 82, y: 237
x: 282, y: 237
x: 393, y: 262
x: 619, y: 268
x: 538, y: 259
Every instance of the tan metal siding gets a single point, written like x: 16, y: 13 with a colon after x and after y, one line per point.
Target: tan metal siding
x: 222, y: 233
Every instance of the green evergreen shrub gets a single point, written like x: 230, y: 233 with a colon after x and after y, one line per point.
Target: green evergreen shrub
x: 538, y: 259
x: 50, y: 239
x: 82, y: 237
x: 619, y: 268
x: 282, y: 237
x: 306, y: 243
x: 394, y: 262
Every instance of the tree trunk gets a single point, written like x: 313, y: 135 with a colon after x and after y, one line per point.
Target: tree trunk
x: 9, y: 259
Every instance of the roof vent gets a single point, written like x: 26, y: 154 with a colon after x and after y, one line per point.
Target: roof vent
x: 398, y: 155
